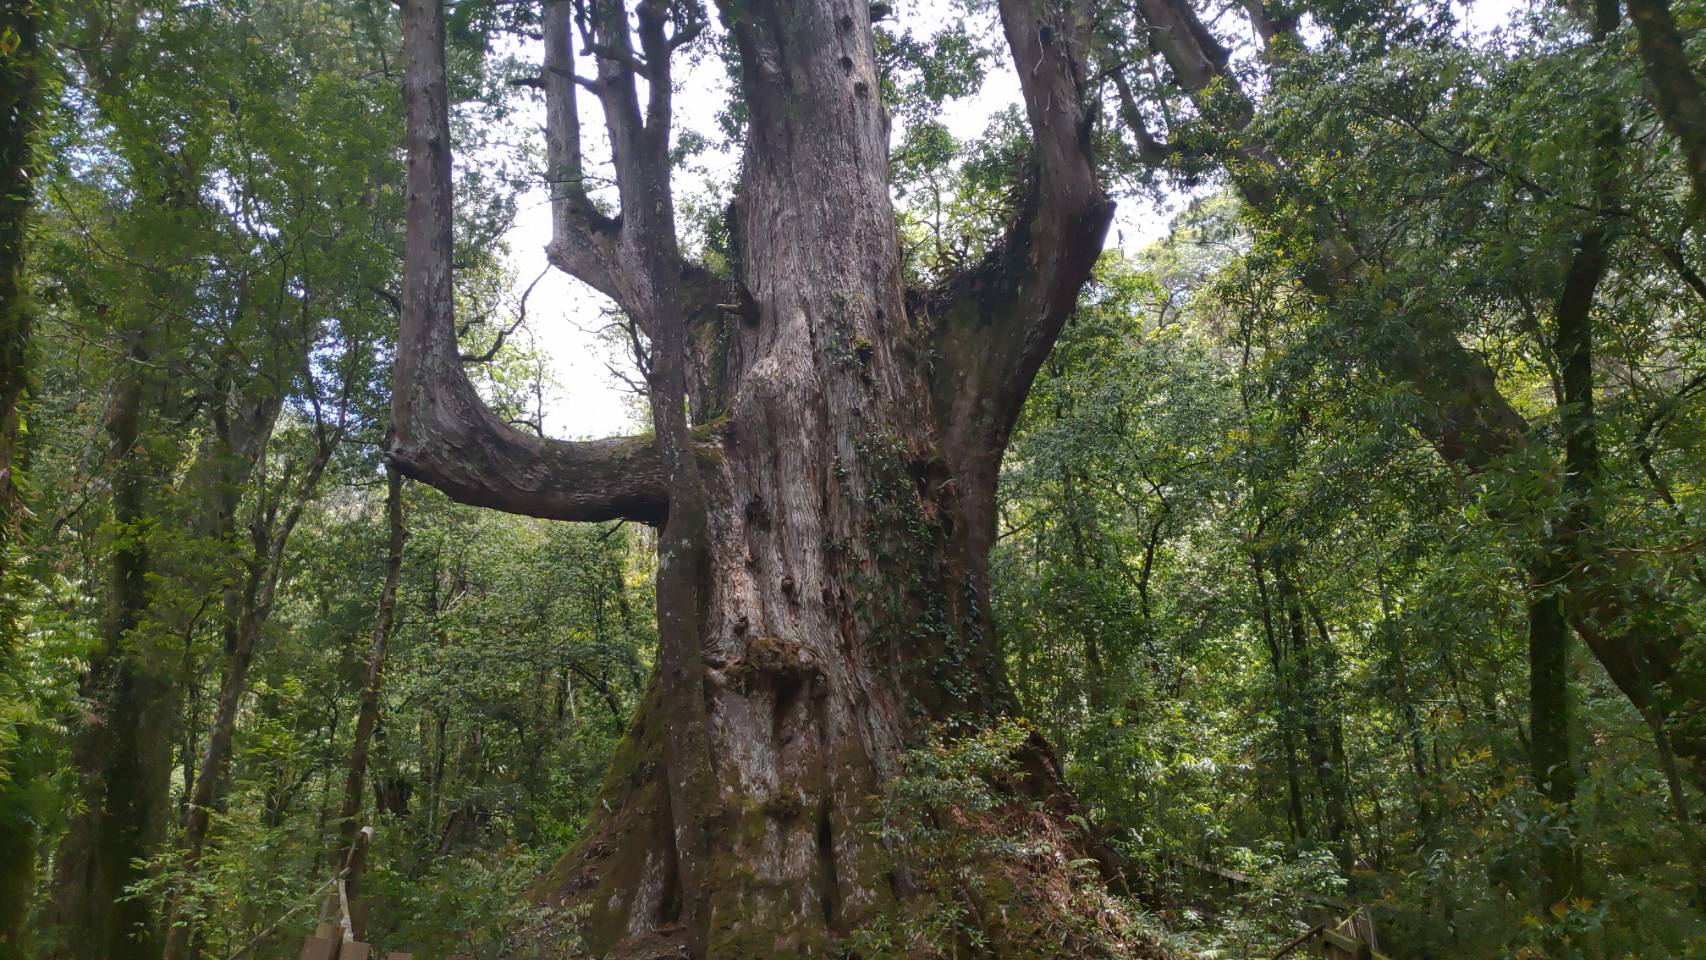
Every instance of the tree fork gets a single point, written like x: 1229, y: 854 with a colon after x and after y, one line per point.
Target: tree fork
x: 823, y: 581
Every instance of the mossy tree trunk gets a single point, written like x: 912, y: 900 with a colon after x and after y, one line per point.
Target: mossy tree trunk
x: 824, y: 462
x: 21, y: 98
x: 123, y: 748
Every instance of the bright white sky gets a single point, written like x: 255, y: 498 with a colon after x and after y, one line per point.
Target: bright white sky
x: 585, y: 399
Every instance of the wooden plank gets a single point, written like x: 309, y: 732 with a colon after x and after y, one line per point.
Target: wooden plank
x: 318, y: 948
x: 354, y: 950
x: 1348, y: 947
x: 327, y: 930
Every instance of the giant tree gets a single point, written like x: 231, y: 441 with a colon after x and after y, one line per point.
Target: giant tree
x: 825, y: 452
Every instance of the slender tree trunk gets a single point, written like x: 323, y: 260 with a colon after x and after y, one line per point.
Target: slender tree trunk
x: 368, y: 713
x: 248, y: 607
x: 1410, y: 722
x: 1568, y: 558
x: 1096, y: 681
x: 1331, y: 687
x: 1310, y: 692
x: 1549, y: 734
x: 1283, y: 685
x: 241, y: 633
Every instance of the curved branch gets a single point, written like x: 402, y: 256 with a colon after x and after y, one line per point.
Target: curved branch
x: 1464, y: 415
x: 996, y: 322
x: 583, y: 240
x: 633, y: 257
x: 442, y: 432
x: 1676, y: 91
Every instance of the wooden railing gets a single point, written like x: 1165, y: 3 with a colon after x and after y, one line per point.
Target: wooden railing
x: 1347, y: 933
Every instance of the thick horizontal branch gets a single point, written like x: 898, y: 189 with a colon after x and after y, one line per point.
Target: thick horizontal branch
x: 502, y: 468
x: 442, y: 432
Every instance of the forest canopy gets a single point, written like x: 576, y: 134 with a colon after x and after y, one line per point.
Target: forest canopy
x: 1097, y: 478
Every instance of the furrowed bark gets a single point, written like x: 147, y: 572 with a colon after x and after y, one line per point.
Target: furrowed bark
x: 823, y: 570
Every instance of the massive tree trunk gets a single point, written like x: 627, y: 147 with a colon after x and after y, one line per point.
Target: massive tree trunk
x: 823, y: 581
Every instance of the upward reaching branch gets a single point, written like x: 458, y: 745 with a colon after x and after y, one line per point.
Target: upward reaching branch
x: 1676, y: 88
x: 999, y: 320
x: 631, y: 256
x: 583, y: 240
x: 442, y: 432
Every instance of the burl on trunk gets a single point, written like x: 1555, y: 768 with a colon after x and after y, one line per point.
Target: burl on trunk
x: 824, y: 461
